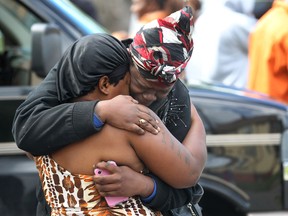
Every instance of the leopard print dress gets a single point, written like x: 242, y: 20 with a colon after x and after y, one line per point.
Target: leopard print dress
x: 69, y: 194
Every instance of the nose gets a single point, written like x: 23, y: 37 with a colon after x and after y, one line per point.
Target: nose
x: 150, y: 96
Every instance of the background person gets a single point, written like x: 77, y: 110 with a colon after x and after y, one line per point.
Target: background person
x: 144, y: 11
x: 221, y: 43
x: 268, y: 48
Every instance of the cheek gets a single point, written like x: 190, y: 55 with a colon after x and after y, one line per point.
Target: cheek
x: 133, y: 88
x: 120, y: 89
x: 135, y: 93
x: 124, y: 89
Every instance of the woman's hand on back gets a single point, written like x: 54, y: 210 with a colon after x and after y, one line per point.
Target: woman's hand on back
x: 124, y: 112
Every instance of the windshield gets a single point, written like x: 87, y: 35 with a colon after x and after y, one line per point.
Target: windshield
x: 78, y: 17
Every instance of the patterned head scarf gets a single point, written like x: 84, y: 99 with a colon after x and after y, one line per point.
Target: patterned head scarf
x: 86, y: 61
x: 161, y: 49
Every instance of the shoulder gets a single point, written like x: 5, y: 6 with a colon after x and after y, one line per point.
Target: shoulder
x: 179, y: 83
x: 179, y: 91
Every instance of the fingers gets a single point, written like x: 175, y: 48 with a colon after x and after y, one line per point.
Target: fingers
x: 135, y: 128
x: 134, y: 101
x: 128, y: 98
x: 141, y: 128
x: 108, y: 189
x: 149, y: 123
x: 143, y: 125
x: 107, y: 185
x: 142, y: 121
x: 110, y: 166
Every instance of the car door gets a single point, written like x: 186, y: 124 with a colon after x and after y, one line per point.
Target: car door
x: 244, y: 139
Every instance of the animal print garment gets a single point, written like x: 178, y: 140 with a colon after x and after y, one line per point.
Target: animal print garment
x: 69, y: 194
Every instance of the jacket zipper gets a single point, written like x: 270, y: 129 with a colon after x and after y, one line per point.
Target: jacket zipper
x: 189, y: 205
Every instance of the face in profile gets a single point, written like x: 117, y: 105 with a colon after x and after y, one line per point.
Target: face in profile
x: 105, y: 90
x: 144, y: 91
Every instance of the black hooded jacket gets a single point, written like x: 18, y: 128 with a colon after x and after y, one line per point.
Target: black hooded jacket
x: 44, y: 123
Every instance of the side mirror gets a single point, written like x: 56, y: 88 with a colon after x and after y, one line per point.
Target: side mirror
x: 46, y: 48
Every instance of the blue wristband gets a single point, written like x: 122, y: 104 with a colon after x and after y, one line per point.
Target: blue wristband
x: 97, y: 121
x: 149, y: 198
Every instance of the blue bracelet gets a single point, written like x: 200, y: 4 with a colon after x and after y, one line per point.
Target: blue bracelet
x: 149, y: 198
x: 97, y: 121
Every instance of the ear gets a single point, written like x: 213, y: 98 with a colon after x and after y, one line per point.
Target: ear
x: 103, y: 85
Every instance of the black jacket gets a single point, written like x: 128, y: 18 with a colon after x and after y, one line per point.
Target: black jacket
x: 42, y: 125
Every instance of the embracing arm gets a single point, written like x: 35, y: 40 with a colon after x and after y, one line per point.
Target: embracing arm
x: 167, y: 197
x: 126, y: 182
x: 42, y: 124
x: 195, y: 142
x: 166, y: 157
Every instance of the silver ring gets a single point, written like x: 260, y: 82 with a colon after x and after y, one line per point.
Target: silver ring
x: 142, y: 121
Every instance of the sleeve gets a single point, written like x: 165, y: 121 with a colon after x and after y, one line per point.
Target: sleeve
x: 168, y: 198
x: 42, y: 124
x: 178, y: 114
x: 178, y: 121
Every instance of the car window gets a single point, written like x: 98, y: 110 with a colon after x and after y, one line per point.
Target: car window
x: 15, y: 24
x: 225, y: 117
x: 77, y: 17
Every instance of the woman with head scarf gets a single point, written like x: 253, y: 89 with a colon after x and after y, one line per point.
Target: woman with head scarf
x: 96, y: 68
x: 160, y: 51
x: 157, y: 85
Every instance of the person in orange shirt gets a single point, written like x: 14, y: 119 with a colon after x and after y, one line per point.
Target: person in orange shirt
x: 268, y: 53
x: 144, y: 11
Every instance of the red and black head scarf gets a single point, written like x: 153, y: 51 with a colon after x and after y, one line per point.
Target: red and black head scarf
x: 161, y: 49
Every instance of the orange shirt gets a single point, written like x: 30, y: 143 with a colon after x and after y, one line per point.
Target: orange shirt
x: 268, y: 53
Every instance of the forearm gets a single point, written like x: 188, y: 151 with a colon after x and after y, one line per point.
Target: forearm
x: 42, y: 125
x: 195, y: 142
x: 175, y: 164
x: 52, y: 129
x: 190, y: 131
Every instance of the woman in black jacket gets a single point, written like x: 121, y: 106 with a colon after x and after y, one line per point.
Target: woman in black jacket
x: 43, y: 114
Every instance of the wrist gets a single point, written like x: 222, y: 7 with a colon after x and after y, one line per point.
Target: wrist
x: 97, y: 121
x: 99, y: 111
x: 150, y: 192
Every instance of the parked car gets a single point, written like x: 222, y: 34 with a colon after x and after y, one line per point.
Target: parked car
x: 246, y: 171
